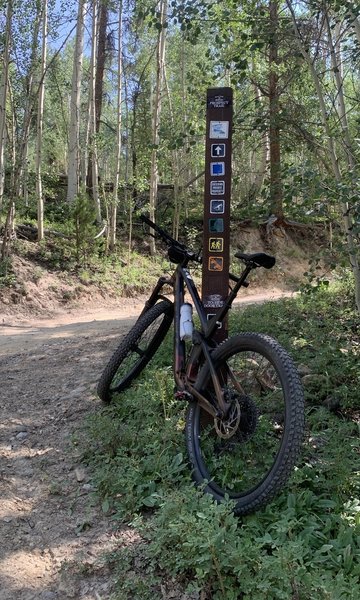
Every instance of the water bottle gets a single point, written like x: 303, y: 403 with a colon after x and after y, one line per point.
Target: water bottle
x: 186, y: 322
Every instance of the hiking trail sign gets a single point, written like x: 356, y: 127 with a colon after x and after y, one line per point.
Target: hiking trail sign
x: 217, y: 194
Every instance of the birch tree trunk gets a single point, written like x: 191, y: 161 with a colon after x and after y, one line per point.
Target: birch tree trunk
x: 21, y: 170
x: 356, y: 25
x: 74, y: 132
x: 336, y: 59
x: 259, y: 158
x: 175, y: 167
x: 160, y: 59
x: 40, y: 123
x: 3, y: 97
x: 92, y: 178
x: 11, y: 134
x: 347, y: 219
x: 113, y: 205
x: 338, y: 71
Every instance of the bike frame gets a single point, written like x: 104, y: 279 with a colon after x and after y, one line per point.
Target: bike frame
x: 203, y: 342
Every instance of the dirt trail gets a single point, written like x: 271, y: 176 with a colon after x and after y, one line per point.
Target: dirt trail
x: 53, y: 532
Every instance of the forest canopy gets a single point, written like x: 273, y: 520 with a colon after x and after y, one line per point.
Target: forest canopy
x: 102, y: 103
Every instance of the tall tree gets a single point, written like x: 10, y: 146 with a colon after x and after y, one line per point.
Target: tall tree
x: 114, y: 202
x: 160, y: 71
x: 101, y: 55
x: 21, y: 167
x: 4, y: 95
x: 276, y: 196
x: 74, y: 130
x: 40, y: 122
x: 333, y: 136
x: 93, y: 176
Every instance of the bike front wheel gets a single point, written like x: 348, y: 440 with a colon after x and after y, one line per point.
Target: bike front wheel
x: 248, y: 455
x: 135, y: 350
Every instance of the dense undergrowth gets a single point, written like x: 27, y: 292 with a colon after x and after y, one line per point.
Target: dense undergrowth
x: 306, y: 543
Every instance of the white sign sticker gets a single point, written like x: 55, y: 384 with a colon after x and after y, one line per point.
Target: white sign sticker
x: 217, y: 188
x: 219, y: 130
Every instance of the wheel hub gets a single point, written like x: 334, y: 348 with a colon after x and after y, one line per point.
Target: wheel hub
x: 228, y: 426
x: 242, y: 418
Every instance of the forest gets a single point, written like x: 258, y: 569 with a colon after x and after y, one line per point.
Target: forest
x: 102, y: 104
x: 103, y: 111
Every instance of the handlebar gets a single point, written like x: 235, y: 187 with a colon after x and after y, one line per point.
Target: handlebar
x: 170, y: 241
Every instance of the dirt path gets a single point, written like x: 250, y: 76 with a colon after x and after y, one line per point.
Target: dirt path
x: 53, y: 532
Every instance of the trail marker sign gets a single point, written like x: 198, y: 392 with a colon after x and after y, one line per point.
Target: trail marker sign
x: 217, y: 194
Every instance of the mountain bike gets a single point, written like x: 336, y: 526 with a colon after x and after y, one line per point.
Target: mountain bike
x: 245, y: 404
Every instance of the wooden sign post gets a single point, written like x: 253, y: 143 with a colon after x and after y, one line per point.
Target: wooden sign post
x: 216, y: 246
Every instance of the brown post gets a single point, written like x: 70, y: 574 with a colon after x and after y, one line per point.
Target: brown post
x: 216, y: 256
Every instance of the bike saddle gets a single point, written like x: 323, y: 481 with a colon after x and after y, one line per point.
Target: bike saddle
x: 259, y: 259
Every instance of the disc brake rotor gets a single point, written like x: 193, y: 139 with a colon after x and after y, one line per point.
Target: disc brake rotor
x: 226, y: 428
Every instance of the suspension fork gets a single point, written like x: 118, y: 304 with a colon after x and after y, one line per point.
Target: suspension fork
x: 155, y: 294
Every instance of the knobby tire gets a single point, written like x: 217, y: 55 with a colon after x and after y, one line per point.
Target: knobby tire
x: 135, y: 350
x: 254, y: 463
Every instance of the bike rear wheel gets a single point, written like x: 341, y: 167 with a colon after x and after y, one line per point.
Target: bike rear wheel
x: 135, y: 350
x: 248, y: 456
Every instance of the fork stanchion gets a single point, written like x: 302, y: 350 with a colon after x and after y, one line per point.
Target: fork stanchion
x: 217, y: 194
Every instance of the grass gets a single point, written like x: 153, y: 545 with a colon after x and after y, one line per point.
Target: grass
x: 306, y: 543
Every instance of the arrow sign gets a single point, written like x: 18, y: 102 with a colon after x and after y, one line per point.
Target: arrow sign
x: 217, y: 150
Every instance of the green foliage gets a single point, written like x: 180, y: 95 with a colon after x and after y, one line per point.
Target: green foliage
x: 7, y: 275
x: 305, y: 544
x: 83, y: 213
x: 319, y: 329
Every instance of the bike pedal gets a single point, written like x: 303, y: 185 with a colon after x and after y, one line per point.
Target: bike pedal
x: 182, y: 395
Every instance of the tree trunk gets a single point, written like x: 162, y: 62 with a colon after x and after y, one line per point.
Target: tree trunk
x: 11, y: 134
x: 336, y: 59
x: 40, y: 122
x: 160, y: 58
x: 259, y: 159
x: 175, y: 167
x: 337, y: 66
x: 113, y: 205
x: 92, y: 176
x: 276, y: 192
x: 3, y: 96
x: 100, y: 61
x: 356, y: 25
x: 21, y: 169
x: 8, y: 232
x: 347, y: 219
x: 74, y: 131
